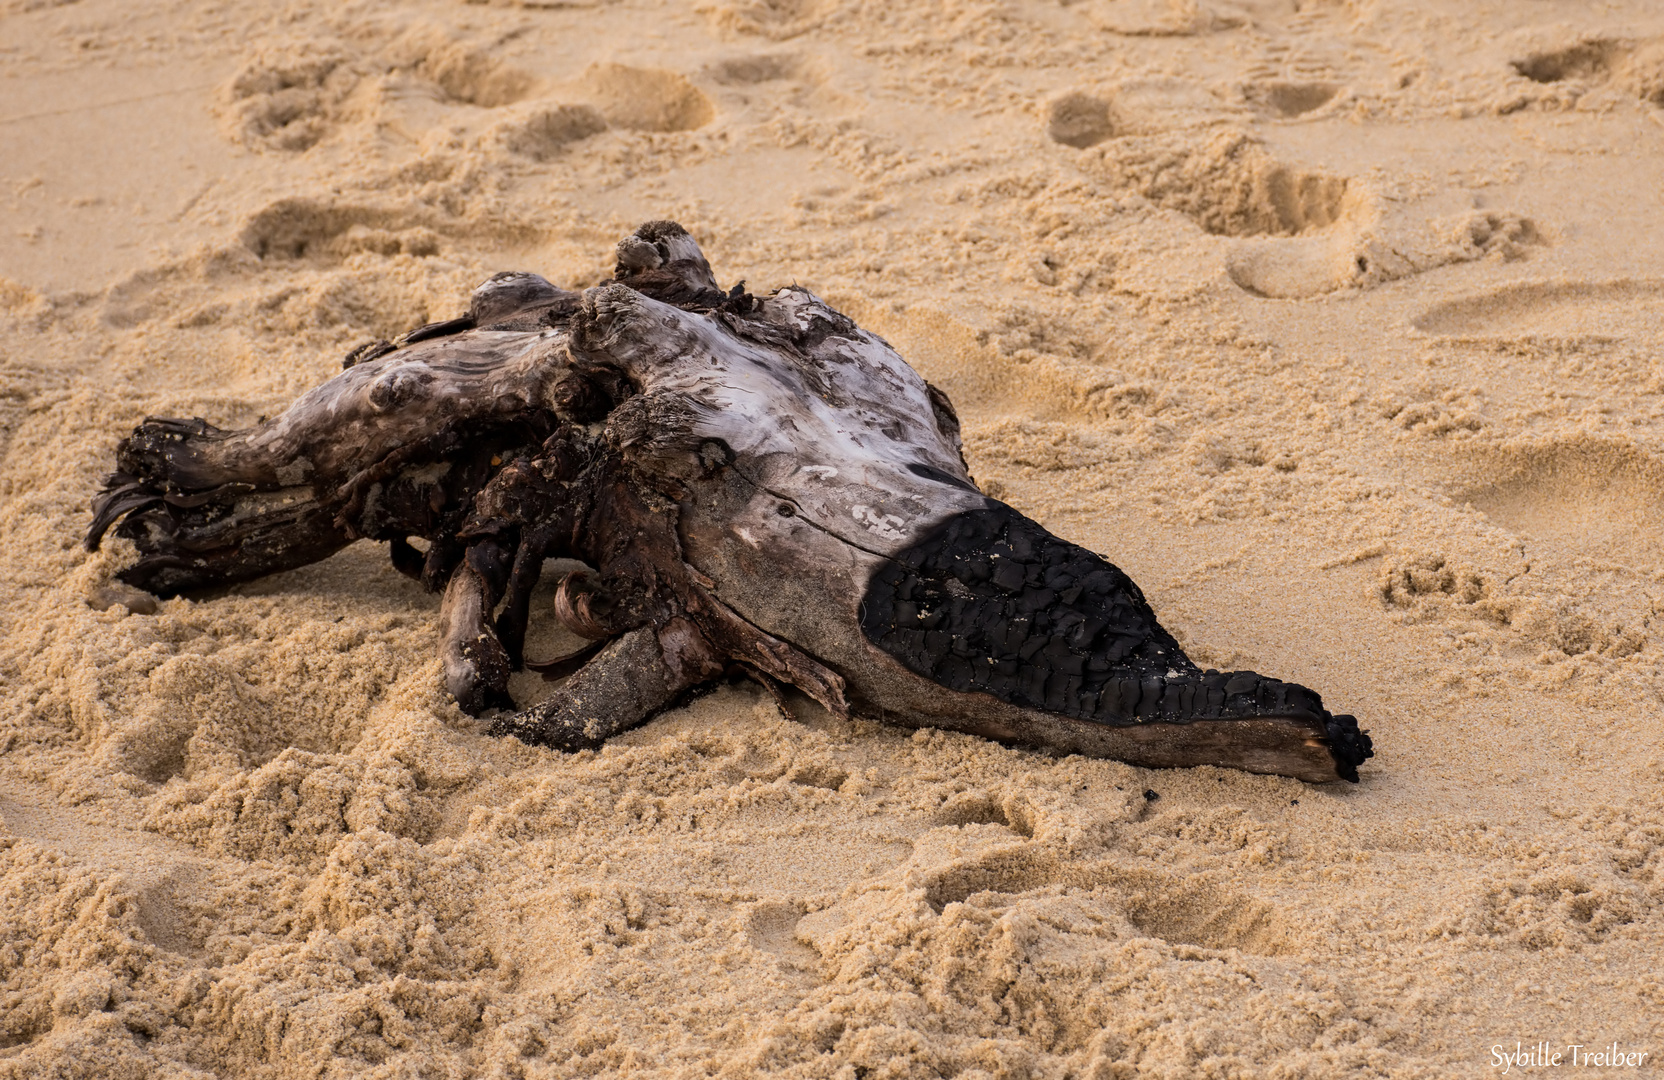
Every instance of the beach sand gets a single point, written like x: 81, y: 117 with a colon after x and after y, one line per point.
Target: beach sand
x: 1338, y: 325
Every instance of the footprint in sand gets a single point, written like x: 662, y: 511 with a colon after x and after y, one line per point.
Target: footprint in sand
x: 1080, y: 120
x: 1588, y: 59
x: 320, y: 232
x: 1586, y: 495
x: 645, y: 99
x: 776, y: 19
x: 290, y: 97
x: 771, y: 927
x: 753, y: 85
x: 611, y: 95
x: 1147, y: 105
x: 1554, y: 61
x: 1228, y: 182
x: 1162, y: 18
x: 1301, y: 231
x: 305, y: 228
x: 287, y: 99
x: 1570, y: 503
x: 1285, y: 100
x: 1187, y: 912
x: 993, y: 863
x: 1369, y: 241
x: 1551, y: 311
x: 462, y: 73
x: 754, y: 70
x: 1232, y: 186
x: 544, y: 131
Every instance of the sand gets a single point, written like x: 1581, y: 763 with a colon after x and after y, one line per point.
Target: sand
x: 1338, y: 325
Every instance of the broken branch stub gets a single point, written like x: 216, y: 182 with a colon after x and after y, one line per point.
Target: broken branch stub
x: 756, y: 481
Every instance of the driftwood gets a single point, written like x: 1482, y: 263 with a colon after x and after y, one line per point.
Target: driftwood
x: 755, y: 481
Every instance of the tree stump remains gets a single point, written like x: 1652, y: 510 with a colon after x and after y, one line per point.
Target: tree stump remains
x: 755, y: 481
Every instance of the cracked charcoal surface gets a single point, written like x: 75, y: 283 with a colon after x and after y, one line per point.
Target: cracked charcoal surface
x: 991, y: 602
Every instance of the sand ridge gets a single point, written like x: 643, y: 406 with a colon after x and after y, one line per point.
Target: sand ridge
x: 1337, y: 325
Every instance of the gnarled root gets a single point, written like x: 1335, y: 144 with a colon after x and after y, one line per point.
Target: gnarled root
x: 629, y: 680
x: 476, y: 664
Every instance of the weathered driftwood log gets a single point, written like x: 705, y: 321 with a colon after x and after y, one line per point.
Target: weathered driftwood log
x: 755, y: 481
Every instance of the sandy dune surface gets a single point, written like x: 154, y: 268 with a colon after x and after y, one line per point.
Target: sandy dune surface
x: 1338, y: 325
